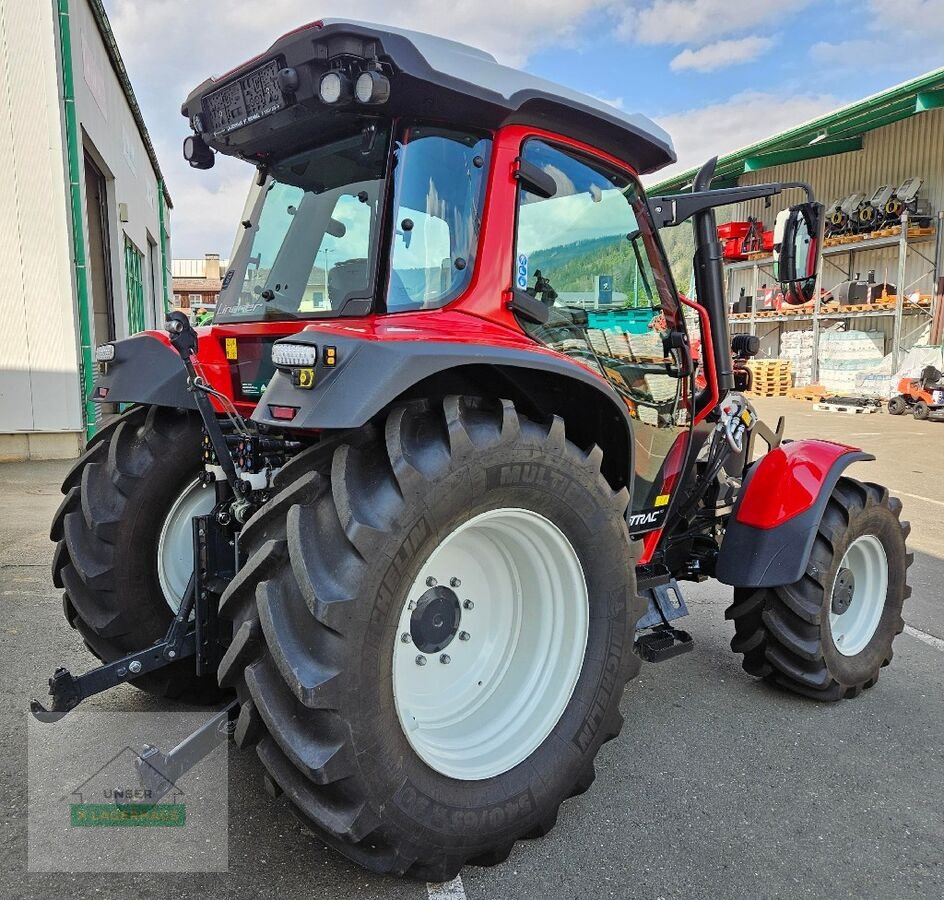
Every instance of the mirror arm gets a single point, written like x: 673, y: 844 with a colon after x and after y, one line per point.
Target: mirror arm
x: 673, y: 209
x: 709, y: 279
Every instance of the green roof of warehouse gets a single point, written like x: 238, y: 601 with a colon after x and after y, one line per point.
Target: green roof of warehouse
x: 837, y: 132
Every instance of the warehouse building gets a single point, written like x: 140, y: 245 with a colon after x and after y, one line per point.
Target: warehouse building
x: 84, y: 216
x: 883, y: 140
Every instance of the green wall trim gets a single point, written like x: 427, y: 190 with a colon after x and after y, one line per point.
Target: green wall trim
x: 86, y: 351
x: 163, y: 239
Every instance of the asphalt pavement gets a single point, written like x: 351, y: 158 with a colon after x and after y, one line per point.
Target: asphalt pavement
x: 718, y: 787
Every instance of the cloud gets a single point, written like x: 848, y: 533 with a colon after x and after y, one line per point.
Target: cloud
x: 697, y: 22
x: 842, y: 55
x: 741, y: 120
x: 916, y: 24
x: 721, y: 54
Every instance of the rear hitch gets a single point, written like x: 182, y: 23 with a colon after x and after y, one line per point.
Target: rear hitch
x: 215, y: 549
x: 159, y: 772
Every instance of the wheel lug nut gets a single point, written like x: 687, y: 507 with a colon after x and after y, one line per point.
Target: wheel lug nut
x: 464, y: 635
x: 405, y: 637
x: 468, y: 604
x: 431, y: 582
x: 445, y: 659
x: 421, y: 660
x: 454, y: 582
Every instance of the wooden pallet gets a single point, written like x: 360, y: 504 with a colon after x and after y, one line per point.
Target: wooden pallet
x: 815, y: 392
x: 760, y: 254
x: 826, y: 406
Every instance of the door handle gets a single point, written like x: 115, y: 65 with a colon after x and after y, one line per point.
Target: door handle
x: 676, y: 345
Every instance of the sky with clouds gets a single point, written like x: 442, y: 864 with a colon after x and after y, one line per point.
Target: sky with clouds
x: 717, y: 74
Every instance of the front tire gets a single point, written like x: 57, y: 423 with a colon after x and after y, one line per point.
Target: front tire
x: 829, y: 635
x: 431, y: 540
x: 921, y: 410
x: 111, y: 529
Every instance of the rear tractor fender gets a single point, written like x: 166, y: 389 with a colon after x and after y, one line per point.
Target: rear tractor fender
x: 770, y: 534
x: 365, y: 377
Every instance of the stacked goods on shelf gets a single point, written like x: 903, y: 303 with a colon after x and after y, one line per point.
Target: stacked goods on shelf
x: 771, y: 377
x: 843, y: 355
x: 797, y: 348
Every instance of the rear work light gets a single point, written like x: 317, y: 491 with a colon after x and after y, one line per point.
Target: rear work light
x: 335, y: 87
x: 287, y: 356
x: 372, y: 87
x: 104, y: 353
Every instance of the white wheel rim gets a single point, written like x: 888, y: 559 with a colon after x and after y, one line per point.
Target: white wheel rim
x: 175, y: 544
x: 515, y: 656
x: 853, y: 629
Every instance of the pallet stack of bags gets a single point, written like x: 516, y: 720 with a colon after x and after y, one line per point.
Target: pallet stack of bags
x: 850, y: 362
x: 797, y: 347
x: 845, y: 355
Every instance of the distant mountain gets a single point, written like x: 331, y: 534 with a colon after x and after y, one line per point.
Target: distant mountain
x: 573, y: 267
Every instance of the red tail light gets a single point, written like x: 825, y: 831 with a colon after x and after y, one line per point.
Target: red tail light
x: 286, y: 413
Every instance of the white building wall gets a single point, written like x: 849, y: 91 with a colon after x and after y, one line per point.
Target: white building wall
x: 40, y: 357
x: 39, y: 380
x: 107, y: 126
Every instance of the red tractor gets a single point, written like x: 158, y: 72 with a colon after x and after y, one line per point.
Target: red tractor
x: 418, y: 502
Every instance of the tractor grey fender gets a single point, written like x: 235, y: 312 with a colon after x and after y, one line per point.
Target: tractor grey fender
x: 144, y: 370
x: 755, y: 553
x: 369, y: 375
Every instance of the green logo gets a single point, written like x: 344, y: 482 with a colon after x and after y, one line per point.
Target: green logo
x: 100, y: 803
x: 110, y: 815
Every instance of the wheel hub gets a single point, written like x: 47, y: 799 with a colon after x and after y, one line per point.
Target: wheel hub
x: 435, y: 620
x: 843, y: 591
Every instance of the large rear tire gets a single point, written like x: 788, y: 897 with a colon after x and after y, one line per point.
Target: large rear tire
x: 431, y: 635
x: 121, y: 549
x: 829, y: 635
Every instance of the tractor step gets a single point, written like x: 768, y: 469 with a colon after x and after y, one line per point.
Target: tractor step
x: 663, y: 642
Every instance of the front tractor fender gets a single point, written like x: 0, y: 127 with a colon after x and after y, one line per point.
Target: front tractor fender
x: 770, y: 534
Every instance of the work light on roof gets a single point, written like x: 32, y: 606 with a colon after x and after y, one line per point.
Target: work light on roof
x: 335, y: 87
x: 372, y: 87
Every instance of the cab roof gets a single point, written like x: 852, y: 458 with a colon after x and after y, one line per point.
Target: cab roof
x: 431, y: 78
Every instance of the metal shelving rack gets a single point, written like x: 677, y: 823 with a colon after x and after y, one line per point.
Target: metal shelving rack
x: 905, y: 245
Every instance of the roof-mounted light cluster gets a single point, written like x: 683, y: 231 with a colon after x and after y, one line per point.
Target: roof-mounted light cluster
x: 371, y: 87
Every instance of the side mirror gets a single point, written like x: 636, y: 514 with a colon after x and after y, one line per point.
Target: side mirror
x: 800, y: 248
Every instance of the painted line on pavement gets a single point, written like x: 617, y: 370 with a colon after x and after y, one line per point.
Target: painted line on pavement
x: 447, y: 890
x: 918, y: 497
x: 928, y: 639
